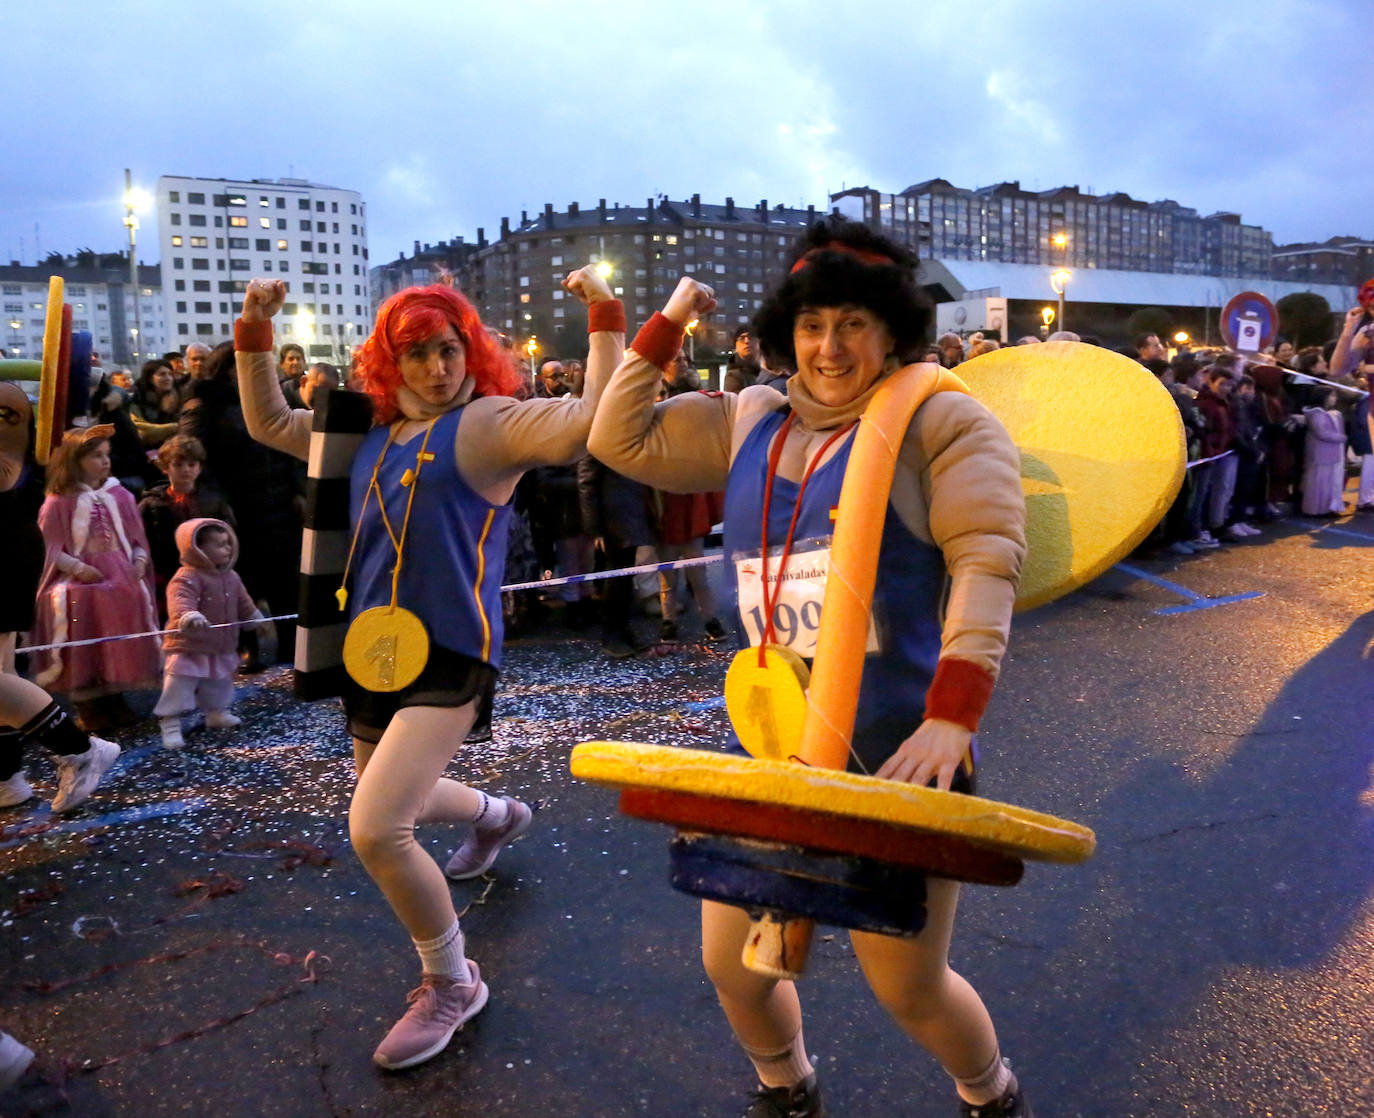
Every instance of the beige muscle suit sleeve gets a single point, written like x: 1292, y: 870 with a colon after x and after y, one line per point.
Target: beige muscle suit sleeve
x: 958, y: 486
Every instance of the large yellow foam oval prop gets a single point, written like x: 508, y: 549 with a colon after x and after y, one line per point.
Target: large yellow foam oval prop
x: 1102, y: 455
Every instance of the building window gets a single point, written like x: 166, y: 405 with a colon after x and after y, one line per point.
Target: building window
x: 281, y: 203
x: 204, y: 329
x: 182, y: 328
x: 238, y: 221
x: 174, y: 195
x: 175, y: 219
x: 305, y: 226
x: 176, y: 242
x: 200, y: 285
x: 302, y: 203
x: 196, y: 199
x: 203, y: 307
x: 263, y: 244
x: 263, y: 202
x: 281, y: 245
x: 178, y: 262
x: 238, y: 242
x: 196, y: 219
x: 307, y: 246
x: 198, y: 242
x: 237, y: 265
x: 319, y: 207
x: 319, y: 227
x: 265, y: 222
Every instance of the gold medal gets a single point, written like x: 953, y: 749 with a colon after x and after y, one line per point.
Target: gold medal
x: 766, y: 701
x: 386, y: 648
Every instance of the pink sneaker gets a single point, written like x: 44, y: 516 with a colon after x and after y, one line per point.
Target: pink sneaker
x: 479, y: 849
x: 438, y: 1008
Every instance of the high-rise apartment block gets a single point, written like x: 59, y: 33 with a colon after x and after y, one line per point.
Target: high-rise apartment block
x: 516, y: 281
x: 216, y: 234
x: 1063, y: 227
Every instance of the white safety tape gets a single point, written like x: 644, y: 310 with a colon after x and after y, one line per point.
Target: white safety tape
x: 646, y: 568
x: 1204, y: 461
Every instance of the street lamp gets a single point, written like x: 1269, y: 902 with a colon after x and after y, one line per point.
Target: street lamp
x: 532, y: 349
x: 1060, y: 240
x: 604, y: 268
x: 1046, y: 317
x: 305, y: 326
x: 692, y: 340
x: 1059, y: 280
x: 1181, y: 338
x: 15, y: 326
x: 136, y: 201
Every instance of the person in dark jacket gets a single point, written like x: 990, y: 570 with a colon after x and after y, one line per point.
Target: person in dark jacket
x: 1247, y: 421
x: 169, y: 504
x: 615, y: 514
x: 262, y: 486
x: 128, y: 458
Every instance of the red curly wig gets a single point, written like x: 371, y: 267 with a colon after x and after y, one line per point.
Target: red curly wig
x: 419, y: 313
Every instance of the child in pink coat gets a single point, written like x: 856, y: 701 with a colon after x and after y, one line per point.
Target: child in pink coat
x: 201, y: 660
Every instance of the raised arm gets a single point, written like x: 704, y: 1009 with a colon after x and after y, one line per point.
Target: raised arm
x: 681, y: 445
x: 499, y: 437
x: 1349, y: 351
x: 265, y: 411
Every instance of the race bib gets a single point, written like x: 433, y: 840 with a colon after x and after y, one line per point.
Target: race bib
x: 797, y: 611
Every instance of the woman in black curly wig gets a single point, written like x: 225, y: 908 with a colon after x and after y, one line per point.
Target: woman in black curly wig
x: 849, y: 313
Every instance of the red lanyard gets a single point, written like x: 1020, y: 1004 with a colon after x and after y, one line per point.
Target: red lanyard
x: 774, y: 456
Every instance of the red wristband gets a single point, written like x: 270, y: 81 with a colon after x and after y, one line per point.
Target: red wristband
x: 608, y: 314
x: 658, y: 341
x: 959, y: 693
x: 253, y: 337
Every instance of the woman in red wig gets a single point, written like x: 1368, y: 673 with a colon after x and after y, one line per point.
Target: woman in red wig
x: 430, y: 490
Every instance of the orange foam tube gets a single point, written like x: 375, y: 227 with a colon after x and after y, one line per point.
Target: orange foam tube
x: 47, y: 387
x: 833, y: 697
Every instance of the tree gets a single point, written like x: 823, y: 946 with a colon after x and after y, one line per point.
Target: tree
x: 1150, y: 320
x: 1304, y: 318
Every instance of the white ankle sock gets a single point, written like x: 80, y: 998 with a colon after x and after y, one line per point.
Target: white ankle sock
x: 492, y: 814
x: 989, y: 1085
x: 444, y: 954
x: 783, y: 1067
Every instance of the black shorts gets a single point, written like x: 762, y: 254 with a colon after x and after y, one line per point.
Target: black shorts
x: 449, y: 679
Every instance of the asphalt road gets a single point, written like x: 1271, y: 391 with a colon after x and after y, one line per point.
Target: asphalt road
x: 1215, y: 958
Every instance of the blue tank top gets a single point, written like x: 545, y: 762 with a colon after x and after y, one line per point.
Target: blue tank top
x: 455, y: 551
x: 906, y: 598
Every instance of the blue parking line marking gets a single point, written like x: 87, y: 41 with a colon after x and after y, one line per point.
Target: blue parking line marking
x: 1347, y: 532
x: 1195, y: 601
x: 110, y: 819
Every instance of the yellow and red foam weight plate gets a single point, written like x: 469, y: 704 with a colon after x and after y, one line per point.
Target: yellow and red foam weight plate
x: 1102, y: 455
x: 1004, y: 827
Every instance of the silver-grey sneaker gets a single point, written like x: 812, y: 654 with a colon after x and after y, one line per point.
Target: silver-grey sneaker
x: 79, y: 773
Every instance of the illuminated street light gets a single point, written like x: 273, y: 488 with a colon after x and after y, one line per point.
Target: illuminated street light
x: 136, y: 201
x: 604, y: 268
x: 691, y: 340
x: 532, y: 350
x: 1060, y: 240
x: 1181, y: 338
x: 305, y: 325
x: 1059, y: 280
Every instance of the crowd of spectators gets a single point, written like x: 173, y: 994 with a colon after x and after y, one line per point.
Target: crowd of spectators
x: 1268, y: 436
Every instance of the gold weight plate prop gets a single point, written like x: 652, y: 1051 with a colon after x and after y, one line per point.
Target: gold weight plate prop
x: 386, y: 648
x: 1004, y: 827
x: 767, y: 702
x: 1102, y: 455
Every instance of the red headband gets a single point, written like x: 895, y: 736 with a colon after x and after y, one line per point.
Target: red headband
x: 835, y: 246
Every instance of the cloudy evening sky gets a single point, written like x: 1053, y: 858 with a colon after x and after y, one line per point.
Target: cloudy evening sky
x: 448, y: 114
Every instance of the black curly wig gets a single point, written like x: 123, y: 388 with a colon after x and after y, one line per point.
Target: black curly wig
x: 834, y: 276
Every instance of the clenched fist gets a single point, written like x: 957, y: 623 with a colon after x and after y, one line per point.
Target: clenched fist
x: 689, y: 300
x: 588, y: 285
x: 263, y: 299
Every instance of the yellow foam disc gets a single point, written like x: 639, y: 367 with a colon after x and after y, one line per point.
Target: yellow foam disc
x: 386, y: 648
x: 1102, y: 455
x: 767, y: 703
x: 1004, y: 827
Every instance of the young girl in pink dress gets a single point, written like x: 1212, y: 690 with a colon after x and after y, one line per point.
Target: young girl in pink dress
x: 97, y: 582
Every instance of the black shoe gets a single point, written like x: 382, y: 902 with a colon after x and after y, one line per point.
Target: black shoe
x: 714, y: 629
x: 620, y: 648
x: 1011, y: 1105
x: 801, y: 1100
x: 667, y: 631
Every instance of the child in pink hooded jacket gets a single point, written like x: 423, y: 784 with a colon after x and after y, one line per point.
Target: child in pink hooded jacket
x: 201, y: 660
